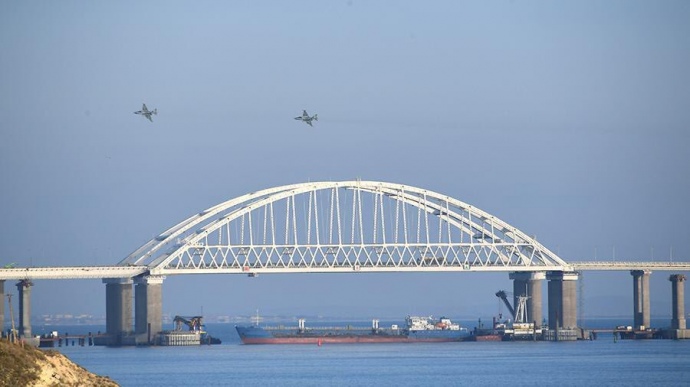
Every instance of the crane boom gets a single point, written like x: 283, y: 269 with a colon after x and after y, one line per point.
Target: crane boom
x: 502, y: 295
x: 194, y: 323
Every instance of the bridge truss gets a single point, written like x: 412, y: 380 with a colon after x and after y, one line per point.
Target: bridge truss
x: 342, y: 227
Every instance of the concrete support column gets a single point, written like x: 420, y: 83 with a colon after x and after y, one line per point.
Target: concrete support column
x: 562, y: 290
x: 641, y: 314
x: 678, y: 301
x: 148, y: 305
x: 2, y: 306
x: 118, y: 308
x: 24, y: 288
x: 529, y: 284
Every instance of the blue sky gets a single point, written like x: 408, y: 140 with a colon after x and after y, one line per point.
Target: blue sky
x: 569, y: 120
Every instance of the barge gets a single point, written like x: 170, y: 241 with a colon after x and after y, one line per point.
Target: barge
x: 196, y: 335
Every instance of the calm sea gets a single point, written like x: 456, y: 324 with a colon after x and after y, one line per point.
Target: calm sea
x: 601, y: 362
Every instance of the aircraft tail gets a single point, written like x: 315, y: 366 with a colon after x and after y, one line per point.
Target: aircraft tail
x: 155, y: 111
x: 316, y: 117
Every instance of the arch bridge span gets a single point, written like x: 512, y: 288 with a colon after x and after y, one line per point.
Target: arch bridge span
x: 342, y: 227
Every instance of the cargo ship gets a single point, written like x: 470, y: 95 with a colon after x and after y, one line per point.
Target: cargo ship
x: 416, y: 329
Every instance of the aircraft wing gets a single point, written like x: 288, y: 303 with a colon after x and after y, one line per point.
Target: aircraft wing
x: 149, y: 117
x: 309, y: 122
x: 304, y: 114
x: 144, y: 109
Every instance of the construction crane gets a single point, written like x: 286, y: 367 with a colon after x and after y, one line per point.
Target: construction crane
x: 519, y: 313
x: 521, y: 310
x: 194, y: 323
x: 504, y: 296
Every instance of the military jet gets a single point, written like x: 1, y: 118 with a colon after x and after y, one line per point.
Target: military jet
x: 146, y: 112
x: 306, y: 119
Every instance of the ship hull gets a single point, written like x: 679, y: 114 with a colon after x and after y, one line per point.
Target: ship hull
x: 257, y: 335
x: 342, y: 340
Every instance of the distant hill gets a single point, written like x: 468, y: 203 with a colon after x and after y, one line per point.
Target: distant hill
x: 29, y: 366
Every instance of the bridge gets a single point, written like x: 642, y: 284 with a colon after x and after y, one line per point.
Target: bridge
x: 340, y: 227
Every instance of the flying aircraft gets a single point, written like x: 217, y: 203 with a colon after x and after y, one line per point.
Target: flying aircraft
x: 306, y: 119
x: 146, y: 112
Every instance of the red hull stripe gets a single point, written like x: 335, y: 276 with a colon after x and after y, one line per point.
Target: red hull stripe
x: 341, y: 340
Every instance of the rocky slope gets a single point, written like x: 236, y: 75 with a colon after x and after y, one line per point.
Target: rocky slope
x: 29, y: 366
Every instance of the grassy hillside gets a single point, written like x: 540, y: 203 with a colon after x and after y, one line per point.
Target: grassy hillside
x: 18, y: 366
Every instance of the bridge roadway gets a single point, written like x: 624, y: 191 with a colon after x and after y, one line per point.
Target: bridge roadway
x: 71, y: 272
x: 102, y: 272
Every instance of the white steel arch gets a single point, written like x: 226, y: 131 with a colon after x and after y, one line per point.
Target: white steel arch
x: 342, y: 227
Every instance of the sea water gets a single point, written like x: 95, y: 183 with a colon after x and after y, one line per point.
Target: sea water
x: 602, y: 362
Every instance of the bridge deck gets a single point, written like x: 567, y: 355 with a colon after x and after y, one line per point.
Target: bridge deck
x: 98, y: 272
x: 72, y: 272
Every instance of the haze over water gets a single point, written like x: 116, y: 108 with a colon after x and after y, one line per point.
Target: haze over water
x: 583, y: 363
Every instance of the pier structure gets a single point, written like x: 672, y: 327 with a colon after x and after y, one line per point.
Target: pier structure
x: 678, y: 328
x: 24, y: 289
x: 641, y: 305
x: 529, y: 284
x: 677, y: 301
x: 118, y: 309
x: 148, y: 308
x: 562, y: 289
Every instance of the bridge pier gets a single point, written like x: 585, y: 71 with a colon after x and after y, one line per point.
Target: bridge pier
x: 118, y: 309
x: 678, y: 301
x: 641, y: 310
x: 24, y: 288
x: 562, y: 290
x: 529, y: 284
x: 148, y: 308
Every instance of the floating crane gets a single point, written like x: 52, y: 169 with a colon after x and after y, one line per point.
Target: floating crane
x: 194, y: 323
x: 520, y: 328
x: 519, y: 313
x: 194, y: 336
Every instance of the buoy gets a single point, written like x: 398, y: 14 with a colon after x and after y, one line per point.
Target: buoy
x: 319, y: 343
